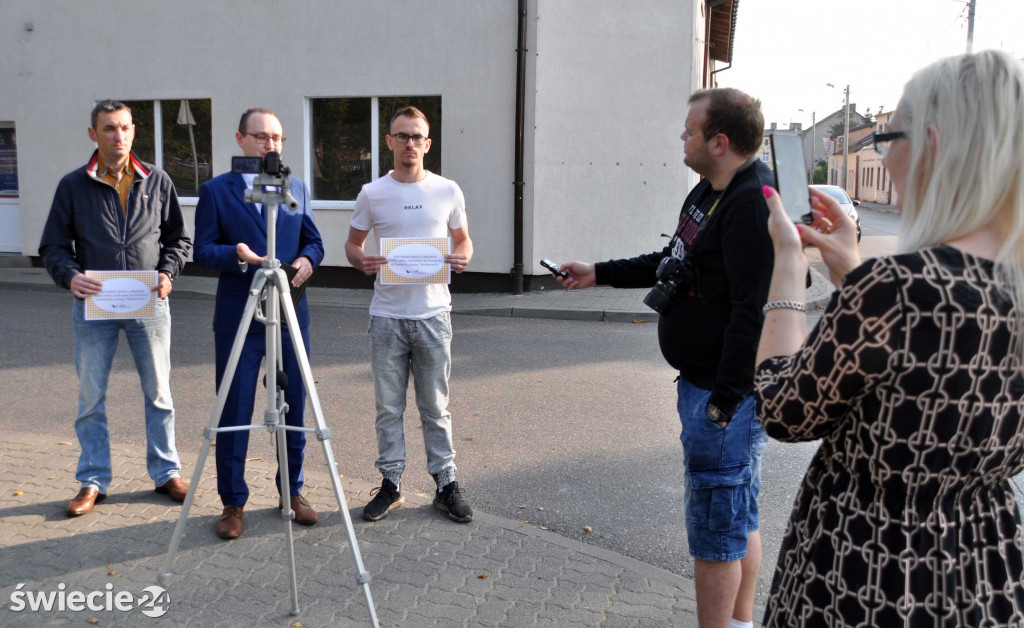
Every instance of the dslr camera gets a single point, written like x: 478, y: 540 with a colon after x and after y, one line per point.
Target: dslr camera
x: 673, y: 273
x: 270, y: 172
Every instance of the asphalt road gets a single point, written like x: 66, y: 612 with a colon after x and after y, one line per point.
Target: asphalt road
x: 874, y: 222
x: 563, y: 424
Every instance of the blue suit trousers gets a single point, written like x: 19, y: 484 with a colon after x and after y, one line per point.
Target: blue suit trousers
x: 232, y: 447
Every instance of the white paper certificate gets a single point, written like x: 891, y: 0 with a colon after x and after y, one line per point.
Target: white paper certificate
x: 125, y: 294
x: 415, y: 260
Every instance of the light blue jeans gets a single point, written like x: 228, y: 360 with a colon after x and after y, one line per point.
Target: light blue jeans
x: 95, y: 346
x: 399, y: 347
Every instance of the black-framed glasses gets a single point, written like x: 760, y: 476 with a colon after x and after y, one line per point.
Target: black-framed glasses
x: 403, y: 138
x: 883, y: 141
x: 263, y: 138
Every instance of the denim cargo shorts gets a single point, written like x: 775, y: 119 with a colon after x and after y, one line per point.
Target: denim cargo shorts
x: 723, y: 475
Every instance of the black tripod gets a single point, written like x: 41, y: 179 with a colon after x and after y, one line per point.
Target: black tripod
x: 278, y: 297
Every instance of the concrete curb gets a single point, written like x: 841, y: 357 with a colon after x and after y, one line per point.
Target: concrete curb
x: 589, y: 306
x: 820, y: 292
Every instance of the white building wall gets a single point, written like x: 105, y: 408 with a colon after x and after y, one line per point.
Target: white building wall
x: 271, y: 54
x: 606, y: 96
x: 612, y: 85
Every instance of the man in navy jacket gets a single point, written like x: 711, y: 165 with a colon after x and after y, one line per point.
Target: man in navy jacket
x: 118, y: 213
x: 231, y: 236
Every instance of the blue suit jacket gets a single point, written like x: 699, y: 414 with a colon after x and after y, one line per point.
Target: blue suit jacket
x: 223, y: 219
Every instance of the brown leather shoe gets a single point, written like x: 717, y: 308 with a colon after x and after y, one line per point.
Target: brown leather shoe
x: 175, y: 487
x: 84, y: 501
x: 230, y: 524
x: 304, y: 513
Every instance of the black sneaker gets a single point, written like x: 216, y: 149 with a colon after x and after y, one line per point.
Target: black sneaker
x: 387, y: 498
x: 450, y: 500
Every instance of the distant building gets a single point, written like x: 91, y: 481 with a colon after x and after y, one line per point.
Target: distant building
x: 816, y: 137
x: 766, y: 143
x: 867, y: 178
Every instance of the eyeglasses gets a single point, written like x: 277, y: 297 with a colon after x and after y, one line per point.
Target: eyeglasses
x: 403, y: 138
x: 263, y: 138
x: 883, y: 141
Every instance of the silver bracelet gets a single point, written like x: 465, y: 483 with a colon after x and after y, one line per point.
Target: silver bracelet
x: 784, y: 304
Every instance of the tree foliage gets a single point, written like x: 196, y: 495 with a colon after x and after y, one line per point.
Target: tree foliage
x: 820, y: 171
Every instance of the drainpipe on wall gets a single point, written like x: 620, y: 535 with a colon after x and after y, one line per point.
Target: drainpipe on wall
x: 517, y: 265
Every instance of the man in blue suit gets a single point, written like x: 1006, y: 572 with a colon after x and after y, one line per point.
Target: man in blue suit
x: 231, y: 236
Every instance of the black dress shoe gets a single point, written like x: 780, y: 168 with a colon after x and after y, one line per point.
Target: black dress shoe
x: 84, y: 501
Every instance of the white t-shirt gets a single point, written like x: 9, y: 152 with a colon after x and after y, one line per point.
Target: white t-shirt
x: 425, y: 209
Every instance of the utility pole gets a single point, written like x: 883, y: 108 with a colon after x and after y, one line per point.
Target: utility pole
x: 846, y: 139
x: 970, y: 26
x: 814, y: 140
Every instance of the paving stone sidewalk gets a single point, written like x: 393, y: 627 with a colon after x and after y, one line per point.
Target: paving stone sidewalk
x: 426, y: 570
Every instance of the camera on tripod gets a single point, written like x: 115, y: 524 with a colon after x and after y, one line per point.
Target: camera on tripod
x: 270, y: 172
x: 672, y: 274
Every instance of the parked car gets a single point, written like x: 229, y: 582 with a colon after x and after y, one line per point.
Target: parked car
x: 848, y: 205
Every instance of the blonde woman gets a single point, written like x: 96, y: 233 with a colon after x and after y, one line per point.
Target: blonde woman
x: 912, y: 379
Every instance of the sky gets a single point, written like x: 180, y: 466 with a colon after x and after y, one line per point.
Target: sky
x: 786, y: 51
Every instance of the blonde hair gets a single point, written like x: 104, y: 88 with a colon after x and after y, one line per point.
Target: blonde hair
x: 974, y: 104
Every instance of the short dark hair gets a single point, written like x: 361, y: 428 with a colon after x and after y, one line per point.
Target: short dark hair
x: 107, y: 106
x: 243, y: 124
x: 735, y: 114
x: 409, y: 112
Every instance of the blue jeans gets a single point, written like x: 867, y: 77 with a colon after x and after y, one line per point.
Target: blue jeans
x: 399, y: 347
x: 723, y: 475
x: 95, y: 346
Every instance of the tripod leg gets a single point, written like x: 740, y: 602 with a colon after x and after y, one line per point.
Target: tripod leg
x: 211, y: 430
x: 323, y: 435
x: 287, y: 514
x: 276, y: 292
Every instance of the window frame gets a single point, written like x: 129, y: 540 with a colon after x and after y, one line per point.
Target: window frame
x: 12, y: 199
x: 376, y: 142
x: 307, y: 141
x: 158, y: 139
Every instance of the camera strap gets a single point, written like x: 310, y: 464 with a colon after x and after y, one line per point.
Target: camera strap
x: 710, y: 213
x: 707, y: 219
x: 714, y: 206
x: 678, y: 239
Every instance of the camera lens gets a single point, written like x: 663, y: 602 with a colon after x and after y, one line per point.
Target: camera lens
x: 659, y: 298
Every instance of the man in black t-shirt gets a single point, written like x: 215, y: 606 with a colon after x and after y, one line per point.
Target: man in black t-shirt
x: 710, y: 334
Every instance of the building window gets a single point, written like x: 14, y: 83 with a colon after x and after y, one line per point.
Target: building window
x: 177, y: 136
x: 347, y: 146
x: 8, y: 161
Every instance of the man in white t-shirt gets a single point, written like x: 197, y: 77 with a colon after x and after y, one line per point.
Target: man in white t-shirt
x: 410, y: 324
